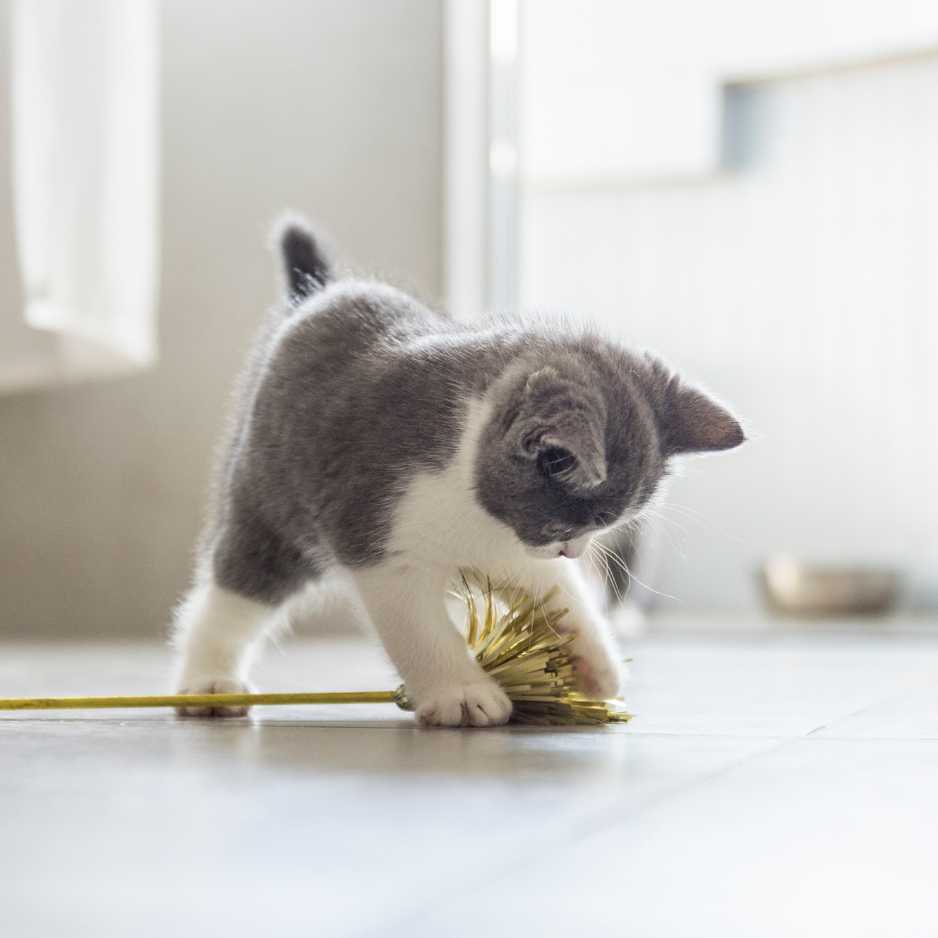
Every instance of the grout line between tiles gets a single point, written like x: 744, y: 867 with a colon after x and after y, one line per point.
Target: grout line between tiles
x: 855, y: 713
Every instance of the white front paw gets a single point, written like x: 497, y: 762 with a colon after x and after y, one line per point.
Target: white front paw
x: 210, y: 685
x: 599, y: 675
x: 482, y: 703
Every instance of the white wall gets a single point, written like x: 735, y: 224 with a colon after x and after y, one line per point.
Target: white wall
x: 631, y: 90
x: 330, y: 107
x: 802, y: 286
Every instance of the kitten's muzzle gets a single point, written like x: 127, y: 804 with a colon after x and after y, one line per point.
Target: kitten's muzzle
x: 573, y: 549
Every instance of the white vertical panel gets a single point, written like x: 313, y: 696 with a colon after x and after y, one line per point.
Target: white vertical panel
x: 466, y: 133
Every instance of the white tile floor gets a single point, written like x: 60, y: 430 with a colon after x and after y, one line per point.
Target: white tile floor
x: 777, y: 784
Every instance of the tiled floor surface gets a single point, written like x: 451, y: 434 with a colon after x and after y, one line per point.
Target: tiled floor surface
x: 783, y: 783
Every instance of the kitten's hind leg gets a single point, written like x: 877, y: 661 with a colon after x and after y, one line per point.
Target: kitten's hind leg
x: 215, y: 633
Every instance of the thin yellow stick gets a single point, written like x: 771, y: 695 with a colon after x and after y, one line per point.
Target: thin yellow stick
x: 197, y: 700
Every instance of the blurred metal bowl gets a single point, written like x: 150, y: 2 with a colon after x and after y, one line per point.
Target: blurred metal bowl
x: 796, y: 588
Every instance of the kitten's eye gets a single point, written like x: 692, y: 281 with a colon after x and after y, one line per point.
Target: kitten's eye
x: 555, y: 461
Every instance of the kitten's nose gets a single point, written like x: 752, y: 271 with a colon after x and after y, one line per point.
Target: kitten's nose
x: 571, y: 550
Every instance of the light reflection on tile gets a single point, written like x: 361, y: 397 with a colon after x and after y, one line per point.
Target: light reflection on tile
x: 813, y: 839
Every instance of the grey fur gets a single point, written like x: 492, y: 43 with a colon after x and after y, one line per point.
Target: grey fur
x: 359, y: 387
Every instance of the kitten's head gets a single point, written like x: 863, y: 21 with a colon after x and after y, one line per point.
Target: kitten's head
x: 579, y: 439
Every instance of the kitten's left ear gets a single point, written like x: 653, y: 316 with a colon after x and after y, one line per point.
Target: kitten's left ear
x: 691, y: 422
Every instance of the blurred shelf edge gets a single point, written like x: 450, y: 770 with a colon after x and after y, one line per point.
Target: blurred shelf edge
x: 759, y: 622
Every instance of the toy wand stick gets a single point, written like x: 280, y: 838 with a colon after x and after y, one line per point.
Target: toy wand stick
x: 203, y: 700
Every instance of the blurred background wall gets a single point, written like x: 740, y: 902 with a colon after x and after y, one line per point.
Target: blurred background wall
x: 800, y: 284
x: 756, y: 205
x: 774, y: 240
x: 333, y: 108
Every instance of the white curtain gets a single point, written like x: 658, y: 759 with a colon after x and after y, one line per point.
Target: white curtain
x: 85, y: 161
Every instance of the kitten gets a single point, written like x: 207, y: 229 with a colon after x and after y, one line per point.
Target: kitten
x: 377, y: 435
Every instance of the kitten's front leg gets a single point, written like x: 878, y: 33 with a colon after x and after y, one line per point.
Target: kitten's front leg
x: 448, y: 686
x: 598, y: 662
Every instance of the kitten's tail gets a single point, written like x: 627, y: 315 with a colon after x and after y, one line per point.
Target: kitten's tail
x: 306, y: 266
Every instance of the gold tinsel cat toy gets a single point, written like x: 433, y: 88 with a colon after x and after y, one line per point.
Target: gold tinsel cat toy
x: 517, y: 641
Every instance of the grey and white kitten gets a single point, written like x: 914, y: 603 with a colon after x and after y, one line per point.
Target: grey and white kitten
x: 382, y: 437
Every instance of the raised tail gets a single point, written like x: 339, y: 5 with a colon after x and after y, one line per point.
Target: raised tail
x: 306, y: 266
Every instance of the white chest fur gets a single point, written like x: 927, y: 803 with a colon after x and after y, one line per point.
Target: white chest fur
x: 439, y: 521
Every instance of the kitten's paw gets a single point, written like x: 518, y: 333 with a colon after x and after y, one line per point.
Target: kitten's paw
x: 598, y: 675
x: 220, y: 685
x: 480, y: 704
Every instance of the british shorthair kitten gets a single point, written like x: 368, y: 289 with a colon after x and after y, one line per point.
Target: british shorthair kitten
x: 378, y: 435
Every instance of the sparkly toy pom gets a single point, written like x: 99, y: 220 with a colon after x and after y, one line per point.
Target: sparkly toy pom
x: 519, y: 643
x: 515, y: 638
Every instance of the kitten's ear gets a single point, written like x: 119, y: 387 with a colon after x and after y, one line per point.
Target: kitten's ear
x: 566, y: 454
x: 691, y: 422
x: 558, y: 436
x: 559, y: 431
x: 688, y: 420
